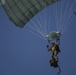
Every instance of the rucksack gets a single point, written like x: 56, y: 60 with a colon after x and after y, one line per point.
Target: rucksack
x: 53, y: 63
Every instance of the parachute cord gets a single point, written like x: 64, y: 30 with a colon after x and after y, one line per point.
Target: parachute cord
x: 58, y: 15
x: 49, y: 24
x: 55, y: 13
x: 64, y: 15
x: 70, y: 22
x: 42, y: 30
x: 61, y: 14
x: 43, y: 37
x: 35, y: 25
x: 37, y: 28
x: 42, y: 24
x: 33, y: 28
x: 44, y: 18
x: 43, y: 27
x: 39, y: 24
x: 68, y: 17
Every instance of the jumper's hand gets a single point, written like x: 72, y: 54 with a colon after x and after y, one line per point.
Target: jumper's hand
x: 47, y: 46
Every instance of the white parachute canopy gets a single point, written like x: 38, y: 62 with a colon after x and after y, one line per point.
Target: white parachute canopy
x: 53, y: 35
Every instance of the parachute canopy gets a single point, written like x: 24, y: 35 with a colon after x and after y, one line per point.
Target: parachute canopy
x: 53, y: 36
x: 21, y: 11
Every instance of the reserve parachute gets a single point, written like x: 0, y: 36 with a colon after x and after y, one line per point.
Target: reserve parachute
x: 53, y: 35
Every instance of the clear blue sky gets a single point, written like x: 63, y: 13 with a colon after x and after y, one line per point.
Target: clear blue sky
x: 23, y: 53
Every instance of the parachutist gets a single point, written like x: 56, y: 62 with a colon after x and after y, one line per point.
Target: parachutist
x: 55, y: 50
x: 54, y: 56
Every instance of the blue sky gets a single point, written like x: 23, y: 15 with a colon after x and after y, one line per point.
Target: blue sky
x: 23, y: 53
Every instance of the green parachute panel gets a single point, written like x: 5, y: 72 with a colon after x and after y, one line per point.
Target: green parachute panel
x: 21, y: 11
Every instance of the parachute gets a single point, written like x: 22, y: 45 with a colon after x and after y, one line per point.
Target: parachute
x: 21, y: 11
x: 60, y: 13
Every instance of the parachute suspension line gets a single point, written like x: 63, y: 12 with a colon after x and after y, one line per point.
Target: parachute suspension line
x: 42, y: 25
x: 61, y: 14
x: 36, y: 34
x: 45, y: 21
x: 64, y: 15
x: 68, y: 17
x: 44, y: 18
x: 54, y: 9
x: 39, y: 24
x: 70, y: 22
x: 49, y: 24
x: 56, y: 15
x: 33, y: 28
x: 71, y: 29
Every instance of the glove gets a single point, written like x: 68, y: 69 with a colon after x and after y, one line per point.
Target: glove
x: 57, y: 39
x: 47, y: 46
